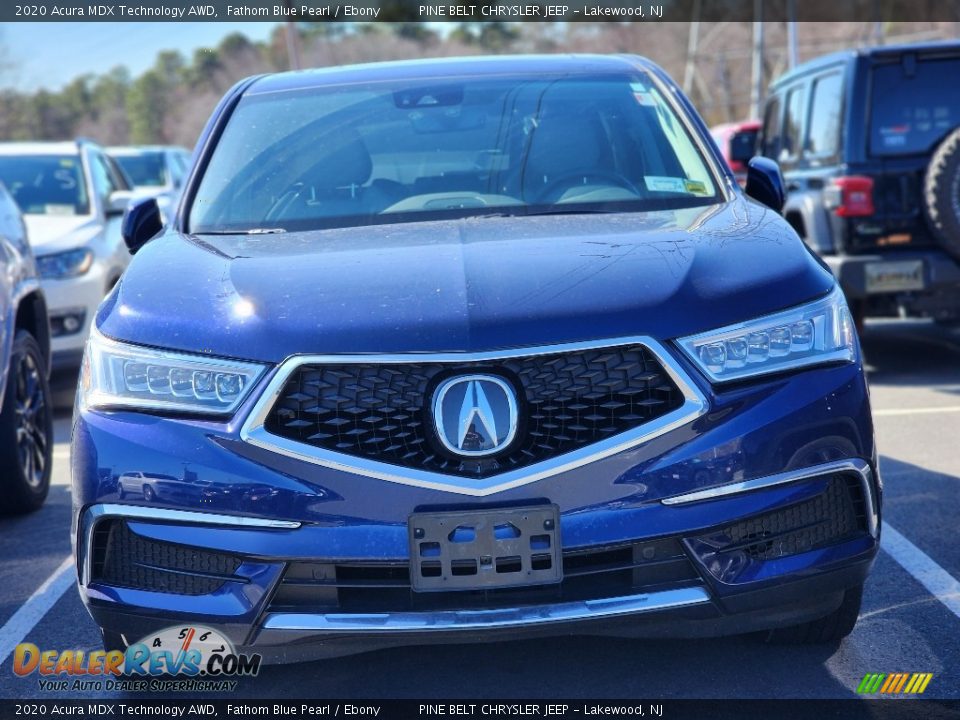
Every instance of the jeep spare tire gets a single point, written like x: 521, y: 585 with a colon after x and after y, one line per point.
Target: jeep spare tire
x: 941, y: 194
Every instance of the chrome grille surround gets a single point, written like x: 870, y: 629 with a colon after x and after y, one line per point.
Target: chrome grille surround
x: 254, y: 432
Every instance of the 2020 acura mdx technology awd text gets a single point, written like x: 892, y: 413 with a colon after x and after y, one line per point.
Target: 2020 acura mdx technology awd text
x: 472, y: 349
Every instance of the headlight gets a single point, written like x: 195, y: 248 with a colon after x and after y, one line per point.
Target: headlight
x: 819, y: 332
x: 116, y: 375
x: 72, y: 263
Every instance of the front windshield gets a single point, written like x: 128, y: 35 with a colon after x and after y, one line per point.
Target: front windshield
x: 501, y: 145
x: 46, y: 184
x: 144, y: 169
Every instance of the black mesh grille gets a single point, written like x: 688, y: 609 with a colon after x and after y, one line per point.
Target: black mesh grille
x: 601, y: 572
x: 832, y: 516
x: 382, y: 411
x: 125, y: 559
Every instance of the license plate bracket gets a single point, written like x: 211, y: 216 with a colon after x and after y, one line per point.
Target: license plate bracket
x: 894, y: 276
x: 485, y: 549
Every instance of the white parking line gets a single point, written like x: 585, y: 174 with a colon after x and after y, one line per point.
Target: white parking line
x: 36, y: 606
x: 888, y: 412
x: 934, y: 578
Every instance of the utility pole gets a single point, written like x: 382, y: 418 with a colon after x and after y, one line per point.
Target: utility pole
x: 756, y: 92
x: 792, y: 54
x: 693, y: 38
x: 293, y: 41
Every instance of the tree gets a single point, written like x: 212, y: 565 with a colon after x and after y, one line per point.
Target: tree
x: 146, y: 106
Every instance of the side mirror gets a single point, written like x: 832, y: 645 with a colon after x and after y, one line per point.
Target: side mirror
x: 117, y: 202
x: 141, y: 223
x: 765, y: 183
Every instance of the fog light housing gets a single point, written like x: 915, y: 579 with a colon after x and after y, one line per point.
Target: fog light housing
x: 67, y: 322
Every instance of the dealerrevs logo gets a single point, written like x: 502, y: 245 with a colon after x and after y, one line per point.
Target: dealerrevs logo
x: 199, y: 658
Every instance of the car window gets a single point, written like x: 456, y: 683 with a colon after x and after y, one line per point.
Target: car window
x: 118, y: 178
x: 771, y: 128
x: 395, y: 152
x: 913, y: 107
x: 743, y: 143
x: 46, y: 184
x: 103, y: 182
x: 792, y: 125
x: 146, y: 169
x: 826, y: 106
x: 174, y: 169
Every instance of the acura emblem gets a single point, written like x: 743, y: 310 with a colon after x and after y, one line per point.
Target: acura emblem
x: 475, y: 415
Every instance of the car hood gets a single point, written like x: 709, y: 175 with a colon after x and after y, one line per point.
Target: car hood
x: 56, y: 233
x: 462, y: 285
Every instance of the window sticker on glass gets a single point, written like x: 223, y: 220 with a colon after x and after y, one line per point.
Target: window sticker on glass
x: 67, y: 162
x: 696, y: 187
x: 642, y: 95
x: 658, y: 183
x: 59, y: 210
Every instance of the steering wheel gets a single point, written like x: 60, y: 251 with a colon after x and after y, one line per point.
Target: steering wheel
x: 574, y: 178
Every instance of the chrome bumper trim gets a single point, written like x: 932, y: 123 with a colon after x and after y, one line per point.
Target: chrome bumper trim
x: 254, y: 431
x: 860, y: 467
x: 95, y: 513
x: 452, y: 620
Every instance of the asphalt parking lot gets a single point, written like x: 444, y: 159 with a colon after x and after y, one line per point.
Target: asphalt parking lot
x: 910, y: 620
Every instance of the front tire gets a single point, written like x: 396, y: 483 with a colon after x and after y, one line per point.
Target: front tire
x: 112, y: 640
x: 829, y: 630
x: 26, y: 429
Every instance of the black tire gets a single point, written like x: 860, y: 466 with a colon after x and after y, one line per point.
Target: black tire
x: 26, y: 429
x: 148, y: 493
x: 121, y: 493
x: 112, y: 640
x: 941, y: 194
x: 829, y: 630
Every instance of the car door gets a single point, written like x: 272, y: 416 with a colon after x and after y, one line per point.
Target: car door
x: 108, y: 179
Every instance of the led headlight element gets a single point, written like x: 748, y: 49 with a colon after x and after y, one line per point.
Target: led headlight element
x: 811, y: 334
x: 117, y: 375
x: 71, y: 263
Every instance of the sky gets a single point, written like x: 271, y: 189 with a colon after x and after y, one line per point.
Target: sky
x: 49, y: 55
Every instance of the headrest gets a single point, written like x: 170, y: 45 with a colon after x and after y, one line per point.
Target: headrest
x: 346, y: 161
x: 563, y: 143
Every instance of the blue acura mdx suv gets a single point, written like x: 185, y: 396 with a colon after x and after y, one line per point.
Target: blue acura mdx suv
x: 468, y: 350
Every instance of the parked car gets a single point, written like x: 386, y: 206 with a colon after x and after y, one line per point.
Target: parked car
x: 738, y: 143
x: 72, y: 196
x: 26, y: 419
x: 138, y: 483
x: 869, y: 143
x: 157, y: 170
x: 501, y: 349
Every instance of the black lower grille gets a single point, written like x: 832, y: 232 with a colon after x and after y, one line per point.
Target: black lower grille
x: 588, y: 574
x: 122, y: 558
x: 834, y: 515
x: 382, y: 411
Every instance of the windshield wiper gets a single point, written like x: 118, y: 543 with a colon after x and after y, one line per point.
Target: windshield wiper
x: 251, y: 231
x: 549, y: 211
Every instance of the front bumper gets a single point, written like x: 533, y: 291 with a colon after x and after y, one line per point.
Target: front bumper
x: 77, y: 298
x: 758, y: 450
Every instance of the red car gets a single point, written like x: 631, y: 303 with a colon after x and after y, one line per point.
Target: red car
x: 738, y: 143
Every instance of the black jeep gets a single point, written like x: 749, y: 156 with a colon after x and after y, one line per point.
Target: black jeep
x: 869, y: 144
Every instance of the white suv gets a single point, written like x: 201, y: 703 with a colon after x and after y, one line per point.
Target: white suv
x: 155, y: 170
x: 72, y: 196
